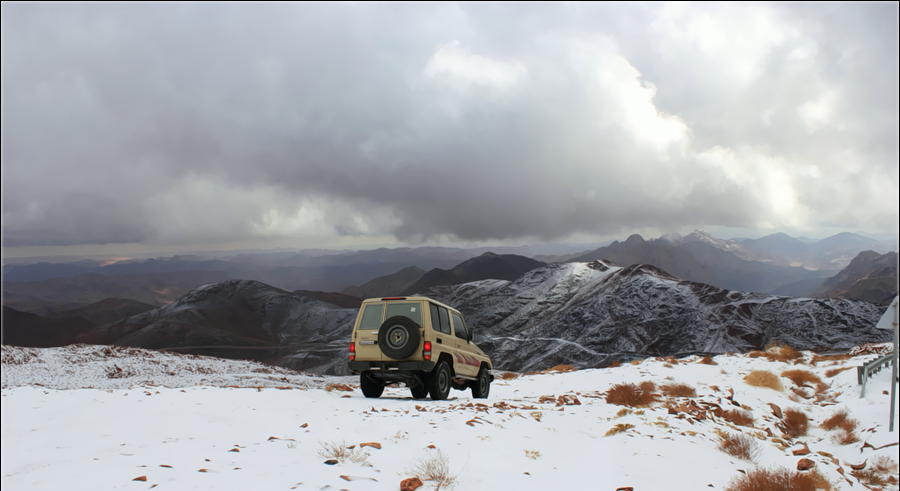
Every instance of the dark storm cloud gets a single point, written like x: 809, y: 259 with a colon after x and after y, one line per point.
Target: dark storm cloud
x: 193, y: 123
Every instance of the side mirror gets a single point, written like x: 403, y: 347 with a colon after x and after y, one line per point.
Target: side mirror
x: 469, y: 335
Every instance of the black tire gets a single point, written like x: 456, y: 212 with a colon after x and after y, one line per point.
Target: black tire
x: 399, y: 337
x: 419, y: 392
x: 482, y: 385
x: 371, y: 386
x: 439, y: 381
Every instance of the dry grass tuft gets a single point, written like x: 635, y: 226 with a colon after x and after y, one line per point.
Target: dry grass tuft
x: 801, y: 377
x: 339, y: 387
x: 678, y: 390
x: 619, y: 428
x: 342, y: 452
x: 822, y: 358
x: 845, y: 437
x: 509, y: 375
x: 879, y: 473
x: 834, y: 371
x: 763, y: 378
x: 739, y: 446
x: 739, y: 417
x: 776, y: 351
x: 780, y: 479
x: 631, y: 395
x: 707, y: 360
x: 615, y: 364
x: 794, y: 424
x: 839, y: 419
x: 435, y: 468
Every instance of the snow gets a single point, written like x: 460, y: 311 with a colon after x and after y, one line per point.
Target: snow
x: 188, y: 422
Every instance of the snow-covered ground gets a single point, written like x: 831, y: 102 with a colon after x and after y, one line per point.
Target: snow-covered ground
x: 90, y: 417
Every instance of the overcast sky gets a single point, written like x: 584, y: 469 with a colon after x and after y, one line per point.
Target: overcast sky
x: 156, y: 125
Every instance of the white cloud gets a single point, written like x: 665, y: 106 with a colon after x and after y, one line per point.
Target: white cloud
x: 454, y: 65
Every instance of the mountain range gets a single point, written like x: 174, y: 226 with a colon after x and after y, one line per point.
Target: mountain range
x: 668, y: 296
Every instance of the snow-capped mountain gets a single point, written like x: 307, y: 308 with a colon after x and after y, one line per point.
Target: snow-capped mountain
x: 589, y: 314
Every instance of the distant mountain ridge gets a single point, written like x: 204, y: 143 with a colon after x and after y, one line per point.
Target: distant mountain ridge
x: 582, y: 314
x: 870, y: 277
x: 485, y: 266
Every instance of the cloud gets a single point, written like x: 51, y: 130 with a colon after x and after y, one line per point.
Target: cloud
x: 196, y: 123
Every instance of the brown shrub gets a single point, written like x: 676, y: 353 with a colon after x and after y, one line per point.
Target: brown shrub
x: 678, y: 390
x: 508, y: 375
x: 631, y: 395
x: 780, y: 479
x: 739, y: 417
x: 801, y: 377
x: 755, y: 354
x: 845, y: 437
x: 795, y: 423
x: 776, y: 351
x: 763, y: 378
x: 839, y: 419
x: 707, y: 360
x: 615, y: 364
x: 740, y: 446
x: 834, y: 371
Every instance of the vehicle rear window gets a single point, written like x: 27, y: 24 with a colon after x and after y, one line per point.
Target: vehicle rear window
x: 371, y: 318
x: 412, y: 310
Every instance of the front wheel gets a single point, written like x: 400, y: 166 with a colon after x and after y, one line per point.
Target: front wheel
x: 371, y: 387
x: 482, y: 386
x: 419, y: 392
x: 439, y: 382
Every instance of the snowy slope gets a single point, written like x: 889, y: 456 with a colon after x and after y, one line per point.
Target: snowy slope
x: 588, y: 314
x: 200, y: 423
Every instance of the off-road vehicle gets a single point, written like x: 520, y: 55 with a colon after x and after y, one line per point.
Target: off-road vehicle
x: 420, y: 342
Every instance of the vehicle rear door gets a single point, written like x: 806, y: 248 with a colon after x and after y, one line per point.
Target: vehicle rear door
x: 371, y: 317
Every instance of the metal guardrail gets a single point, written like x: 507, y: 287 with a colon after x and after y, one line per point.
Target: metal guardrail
x: 864, y: 372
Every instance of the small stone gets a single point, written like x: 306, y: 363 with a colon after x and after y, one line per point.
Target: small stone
x: 805, y: 464
x: 140, y: 478
x: 331, y: 461
x: 802, y: 451
x: 411, y: 484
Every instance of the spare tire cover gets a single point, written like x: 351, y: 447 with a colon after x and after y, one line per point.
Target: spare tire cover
x: 398, y: 337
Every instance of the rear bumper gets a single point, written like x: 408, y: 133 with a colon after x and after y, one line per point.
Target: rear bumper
x: 391, y: 366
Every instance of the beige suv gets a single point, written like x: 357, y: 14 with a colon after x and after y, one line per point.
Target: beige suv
x: 418, y: 341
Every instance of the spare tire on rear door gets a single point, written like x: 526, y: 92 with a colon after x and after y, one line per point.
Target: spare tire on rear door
x: 398, y: 337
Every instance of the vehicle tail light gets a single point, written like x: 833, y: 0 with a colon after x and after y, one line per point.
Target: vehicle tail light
x: 427, y: 352
x: 352, y: 351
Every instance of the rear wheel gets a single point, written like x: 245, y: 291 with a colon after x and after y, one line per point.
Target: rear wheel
x: 439, y: 382
x: 371, y: 386
x: 419, y: 392
x: 482, y: 386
